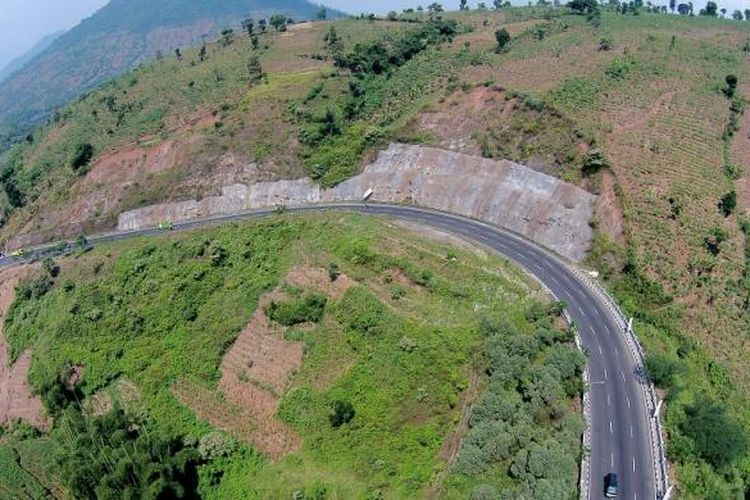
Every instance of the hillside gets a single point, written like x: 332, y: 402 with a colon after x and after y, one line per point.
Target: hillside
x: 21, y: 60
x: 235, y: 346
x: 121, y: 35
x: 634, y: 108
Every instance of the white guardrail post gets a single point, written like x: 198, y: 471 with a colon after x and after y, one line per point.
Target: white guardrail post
x: 658, y: 449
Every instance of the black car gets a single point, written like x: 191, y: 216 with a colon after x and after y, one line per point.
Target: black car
x: 610, y: 485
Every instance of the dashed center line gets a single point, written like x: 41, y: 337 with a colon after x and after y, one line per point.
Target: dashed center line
x: 605, y: 373
x: 610, y: 427
x: 622, y: 373
x: 633, y: 464
x: 628, y: 400
x: 631, y: 432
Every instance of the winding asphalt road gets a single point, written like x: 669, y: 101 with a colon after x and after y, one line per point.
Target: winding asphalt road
x: 620, y: 440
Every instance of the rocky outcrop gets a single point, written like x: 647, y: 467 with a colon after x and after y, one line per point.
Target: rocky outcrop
x: 541, y: 207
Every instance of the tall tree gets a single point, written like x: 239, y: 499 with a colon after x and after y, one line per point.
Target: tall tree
x: 464, y: 5
x: 255, y: 70
x: 672, y: 5
x: 248, y: 25
x: 278, y: 22
x: 710, y: 10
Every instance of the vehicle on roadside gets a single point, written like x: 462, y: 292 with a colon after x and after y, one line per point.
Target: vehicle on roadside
x: 166, y: 226
x: 18, y: 253
x: 610, y: 485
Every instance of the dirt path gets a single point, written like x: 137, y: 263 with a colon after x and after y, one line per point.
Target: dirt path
x: 16, y: 400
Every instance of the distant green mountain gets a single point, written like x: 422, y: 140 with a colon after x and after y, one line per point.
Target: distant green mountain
x: 118, y: 37
x: 20, y: 61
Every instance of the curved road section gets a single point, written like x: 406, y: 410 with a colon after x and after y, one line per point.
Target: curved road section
x: 619, y: 419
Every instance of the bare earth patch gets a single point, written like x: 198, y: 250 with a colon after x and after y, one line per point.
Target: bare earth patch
x: 256, y: 372
x: 16, y: 400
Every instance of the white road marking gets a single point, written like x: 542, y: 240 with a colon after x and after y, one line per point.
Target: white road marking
x: 633, y: 464
x: 610, y: 427
x: 581, y: 311
x: 631, y: 432
x: 593, y: 332
x: 612, y: 460
x: 597, y: 313
x: 605, y: 373
x: 628, y: 399
x: 623, y: 376
x: 617, y: 353
x: 600, y: 349
x: 610, y: 424
x: 555, y: 280
x: 606, y: 328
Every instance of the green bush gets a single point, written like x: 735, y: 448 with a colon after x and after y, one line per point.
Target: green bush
x: 717, y: 438
x: 81, y: 158
x: 662, y: 369
x: 307, y: 309
x: 342, y: 412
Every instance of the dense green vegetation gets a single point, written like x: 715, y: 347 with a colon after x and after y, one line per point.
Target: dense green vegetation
x: 389, y: 368
x: 657, y: 100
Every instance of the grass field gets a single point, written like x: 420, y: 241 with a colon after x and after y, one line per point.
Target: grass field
x: 407, y: 343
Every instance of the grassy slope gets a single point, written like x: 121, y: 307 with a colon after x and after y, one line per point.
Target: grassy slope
x: 120, y: 312
x: 656, y: 109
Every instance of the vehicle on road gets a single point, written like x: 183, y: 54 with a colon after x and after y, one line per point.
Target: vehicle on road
x: 610, y: 485
x: 166, y: 226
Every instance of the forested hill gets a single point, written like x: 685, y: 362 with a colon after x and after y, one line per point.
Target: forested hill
x: 118, y: 37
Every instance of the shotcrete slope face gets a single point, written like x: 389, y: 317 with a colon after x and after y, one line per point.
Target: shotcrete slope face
x: 547, y: 210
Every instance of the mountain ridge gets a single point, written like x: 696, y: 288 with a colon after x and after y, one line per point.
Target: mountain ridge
x: 116, y: 38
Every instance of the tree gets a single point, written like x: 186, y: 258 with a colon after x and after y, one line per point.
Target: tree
x: 227, y: 37
x: 498, y: 4
x: 683, y: 9
x: 737, y: 15
x: 672, y: 5
x: 728, y: 203
x: 464, y: 5
x: 278, y: 22
x: 342, y: 412
x: 202, y: 53
x: 710, y: 9
x: 434, y: 9
x: 723, y: 12
x: 334, y: 44
x: 322, y: 13
x: 731, y: 88
x: 82, y: 156
x: 178, y: 53
x: 747, y: 14
x: 255, y: 70
x: 254, y: 42
x: 503, y: 38
x: 248, y: 25
x: 392, y: 16
x: 718, y: 438
x: 584, y: 6
x: 263, y: 25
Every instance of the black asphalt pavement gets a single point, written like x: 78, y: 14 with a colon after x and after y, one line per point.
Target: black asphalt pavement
x: 620, y: 440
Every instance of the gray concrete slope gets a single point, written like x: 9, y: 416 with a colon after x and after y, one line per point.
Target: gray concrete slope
x: 620, y: 439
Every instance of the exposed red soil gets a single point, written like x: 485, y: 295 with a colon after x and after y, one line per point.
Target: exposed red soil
x: 16, y: 399
x: 318, y: 279
x: 453, y: 123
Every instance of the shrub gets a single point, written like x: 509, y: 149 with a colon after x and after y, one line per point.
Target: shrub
x: 502, y: 37
x: 728, y: 203
x: 661, y: 369
x: 717, y: 438
x: 307, y: 309
x: 81, y: 158
x: 342, y: 412
x: 731, y: 85
x: 594, y: 162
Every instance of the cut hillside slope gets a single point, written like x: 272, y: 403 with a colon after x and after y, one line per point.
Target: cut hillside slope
x: 551, y: 212
x: 121, y: 35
